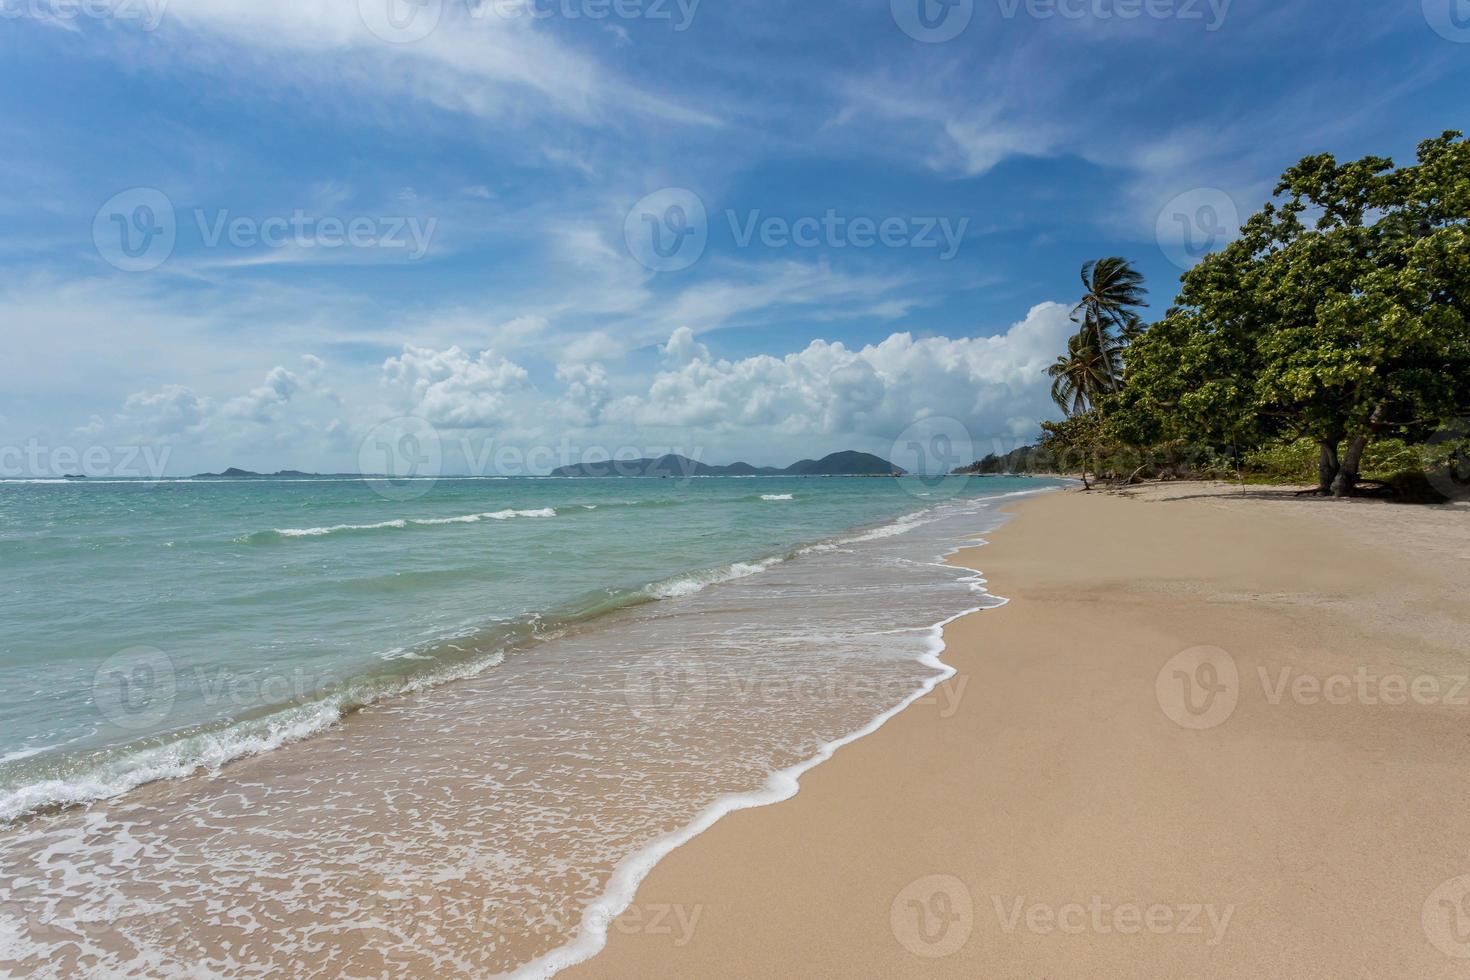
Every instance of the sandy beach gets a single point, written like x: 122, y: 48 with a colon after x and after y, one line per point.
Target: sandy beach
x: 1215, y: 733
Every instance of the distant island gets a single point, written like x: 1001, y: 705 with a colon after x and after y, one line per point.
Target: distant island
x: 235, y: 472
x: 848, y: 463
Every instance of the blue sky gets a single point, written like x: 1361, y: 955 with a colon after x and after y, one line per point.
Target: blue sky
x: 345, y: 213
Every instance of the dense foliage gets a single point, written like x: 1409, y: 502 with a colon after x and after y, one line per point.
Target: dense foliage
x: 1338, y: 321
x: 1341, y: 315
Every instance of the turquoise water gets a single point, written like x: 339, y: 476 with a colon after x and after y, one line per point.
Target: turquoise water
x: 148, y: 628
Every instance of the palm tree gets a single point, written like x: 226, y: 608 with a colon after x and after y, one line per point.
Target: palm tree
x: 1107, y: 309
x: 1086, y: 372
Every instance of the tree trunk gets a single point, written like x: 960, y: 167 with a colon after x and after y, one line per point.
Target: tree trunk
x: 1347, y: 476
x: 1327, y: 467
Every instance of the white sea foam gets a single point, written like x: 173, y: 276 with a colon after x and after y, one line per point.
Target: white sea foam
x: 175, y: 760
x: 781, y: 785
x: 498, y: 515
x: 683, y: 585
x: 778, y: 496
x: 211, y: 750
x: 403, y: 522
x: 316, y: 532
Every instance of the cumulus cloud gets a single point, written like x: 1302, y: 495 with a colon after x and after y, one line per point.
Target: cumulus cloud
x: 985, y: 382
x: 263, y: 403
x: 586, y: 393
x: 828, y: 395
x: 172, y: 410
x: 453, y: 389
x: 683, y: 348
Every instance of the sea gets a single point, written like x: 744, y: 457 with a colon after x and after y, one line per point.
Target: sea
x: 342, y: 726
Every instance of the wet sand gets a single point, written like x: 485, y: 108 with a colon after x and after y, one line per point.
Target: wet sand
x: 1215, y: 733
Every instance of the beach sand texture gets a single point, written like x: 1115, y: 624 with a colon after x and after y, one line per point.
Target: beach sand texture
x: 1058, y: 810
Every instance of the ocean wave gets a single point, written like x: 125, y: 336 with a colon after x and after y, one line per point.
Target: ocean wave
x: 174, y: 760
x: 208, y: 751
x: 682, y: 585
x: 778, y: 496
x: 400, y: 523
x: 497, y: 515
x: 316, y: 532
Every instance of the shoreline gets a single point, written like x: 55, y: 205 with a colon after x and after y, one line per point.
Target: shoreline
x: 1068, y: 784
x: 531, y: 830
x: 207, y: 746
x: 780, y: 786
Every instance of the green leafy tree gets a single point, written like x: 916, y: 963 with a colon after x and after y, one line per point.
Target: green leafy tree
x: 1340, y: 314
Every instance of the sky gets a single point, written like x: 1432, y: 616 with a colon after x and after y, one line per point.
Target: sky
x: 524, y: 233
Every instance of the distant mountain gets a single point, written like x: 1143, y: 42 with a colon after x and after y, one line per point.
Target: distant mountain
x: 847, y: 463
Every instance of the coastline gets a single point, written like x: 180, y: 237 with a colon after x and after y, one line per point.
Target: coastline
x: 1046, y: 816
x: 632, y: 732
x: 784, y: 784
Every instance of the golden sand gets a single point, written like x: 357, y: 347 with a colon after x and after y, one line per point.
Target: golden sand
x: 1214, y: 734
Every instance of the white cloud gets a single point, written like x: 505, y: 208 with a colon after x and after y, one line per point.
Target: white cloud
x: 452, y: 389
x: 683, y: 348
x: 987, y: 383
x: 263, y: 403
x: 586, y: 393
x: 172, y: 410
x: 473, y: 61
